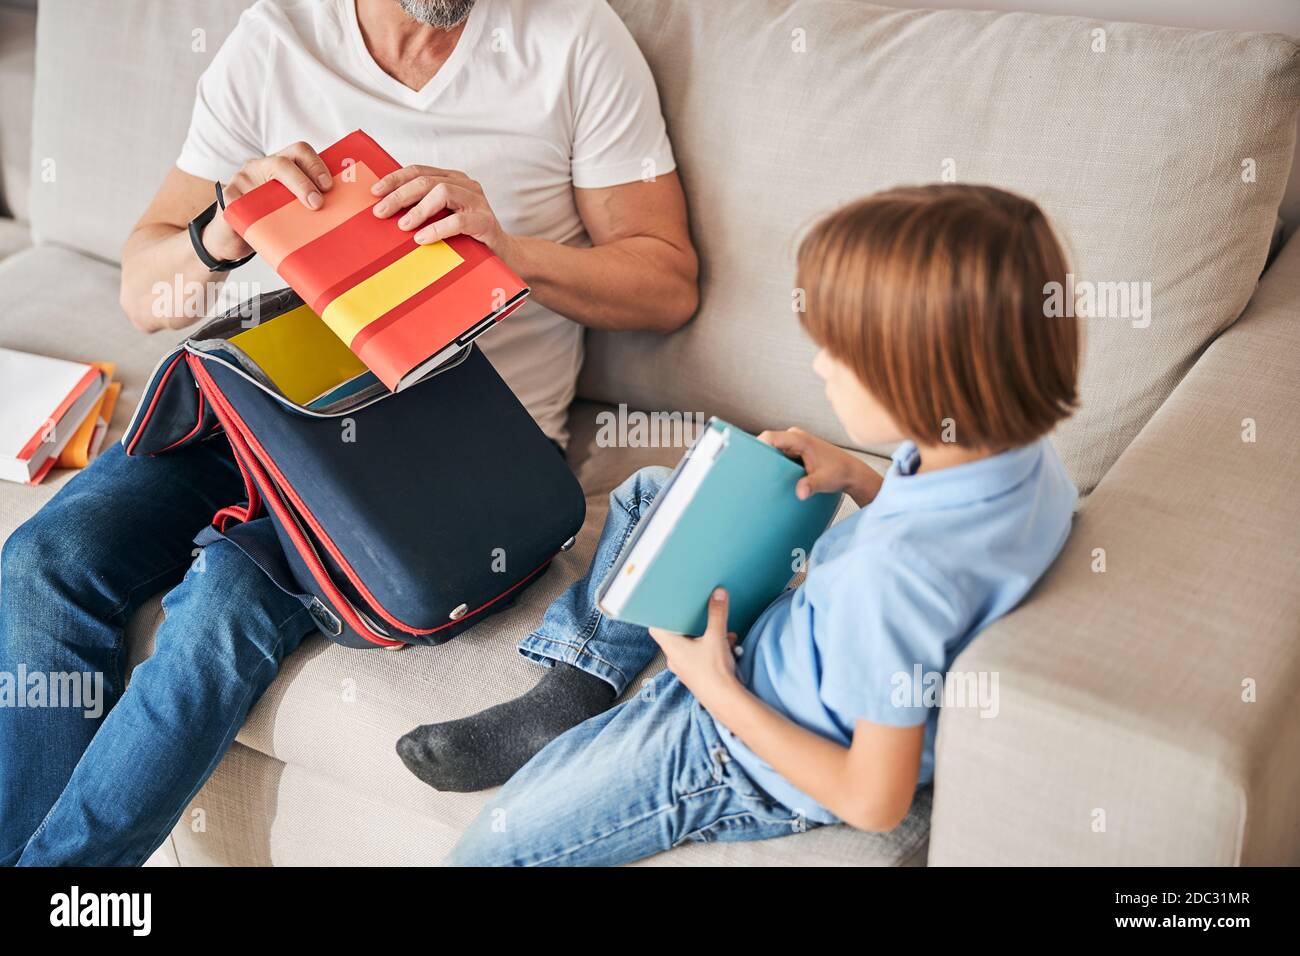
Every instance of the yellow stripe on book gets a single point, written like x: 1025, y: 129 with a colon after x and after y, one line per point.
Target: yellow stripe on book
x: 300, y: 354
x: 388, y: 288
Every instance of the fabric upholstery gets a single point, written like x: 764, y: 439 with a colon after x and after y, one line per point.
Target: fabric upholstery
x: 127, y: 70
x: 17, y: 81
x: 1128, y: 690
x: 1110, y: 144
x: 14, y: 237
x: 257, y: 811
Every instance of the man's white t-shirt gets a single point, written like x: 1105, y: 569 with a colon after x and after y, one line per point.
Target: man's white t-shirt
x: 538, y: 97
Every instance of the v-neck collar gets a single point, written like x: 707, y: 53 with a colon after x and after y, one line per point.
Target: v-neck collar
x: 399, y: 91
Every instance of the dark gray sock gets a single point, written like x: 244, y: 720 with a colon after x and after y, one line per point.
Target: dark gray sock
x: 485, y: 750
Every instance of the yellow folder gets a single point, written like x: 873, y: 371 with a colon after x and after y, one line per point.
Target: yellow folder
x: 82, y: 447
x: 300, y: 354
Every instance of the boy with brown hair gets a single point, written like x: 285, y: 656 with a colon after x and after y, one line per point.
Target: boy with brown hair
x: 928, y: 307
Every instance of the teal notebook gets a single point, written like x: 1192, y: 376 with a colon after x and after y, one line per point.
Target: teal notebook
x: 727, y: 517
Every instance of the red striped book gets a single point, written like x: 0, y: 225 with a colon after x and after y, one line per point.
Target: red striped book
x: 43, y: 402
x: 401, y: 307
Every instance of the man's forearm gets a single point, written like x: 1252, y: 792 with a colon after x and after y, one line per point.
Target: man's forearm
x: 154, y: 255
x: 640, y: 282
x: 635, y: 283
x: 630, y: 284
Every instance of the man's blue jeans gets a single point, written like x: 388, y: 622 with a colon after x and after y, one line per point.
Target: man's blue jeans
x: 640, y: 778
x: 104, y: 785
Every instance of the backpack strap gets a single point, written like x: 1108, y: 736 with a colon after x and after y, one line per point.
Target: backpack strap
x: 258, y: 540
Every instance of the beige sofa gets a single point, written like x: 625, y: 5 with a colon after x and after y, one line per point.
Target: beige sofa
x: 1124, y: 734
x: 17, y: 76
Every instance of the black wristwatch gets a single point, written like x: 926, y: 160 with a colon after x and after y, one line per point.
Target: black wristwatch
x: 198, y: 224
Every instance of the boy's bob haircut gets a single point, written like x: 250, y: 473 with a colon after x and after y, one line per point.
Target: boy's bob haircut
x: 935, y: 296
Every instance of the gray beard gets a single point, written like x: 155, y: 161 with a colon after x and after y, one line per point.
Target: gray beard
x: 443, y: 14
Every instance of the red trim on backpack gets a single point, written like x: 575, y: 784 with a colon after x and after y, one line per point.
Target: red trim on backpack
x: 238, y: 514
x: 193, y: 431
x: 318, y: 572
x: 148, y: 412
x: 260, y: 463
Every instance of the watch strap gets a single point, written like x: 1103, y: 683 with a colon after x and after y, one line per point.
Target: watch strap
x: 198, y: 224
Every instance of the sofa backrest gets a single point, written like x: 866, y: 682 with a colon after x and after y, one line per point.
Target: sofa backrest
x: 781, y: 110
x: 17, y: 76
x: 115, y: 83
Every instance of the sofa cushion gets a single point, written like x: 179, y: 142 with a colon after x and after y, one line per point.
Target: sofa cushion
x: 14, y: 236
x: 61, y: 303
x: 779, y: 111
x: 114, y: 88
x: 257, y: 811
x: 17, y: 80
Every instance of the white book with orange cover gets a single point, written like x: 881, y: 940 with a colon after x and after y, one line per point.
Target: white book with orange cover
x: 42, y: 402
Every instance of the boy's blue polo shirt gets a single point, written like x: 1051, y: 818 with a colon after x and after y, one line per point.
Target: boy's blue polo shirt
x: 906, y: 582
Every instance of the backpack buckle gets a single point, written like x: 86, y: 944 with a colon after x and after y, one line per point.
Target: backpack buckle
x: 325, y: 619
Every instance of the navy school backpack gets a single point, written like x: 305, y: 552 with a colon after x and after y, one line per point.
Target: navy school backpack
x: 395, y: 518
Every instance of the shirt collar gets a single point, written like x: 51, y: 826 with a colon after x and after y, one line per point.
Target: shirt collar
x: 904, y: 489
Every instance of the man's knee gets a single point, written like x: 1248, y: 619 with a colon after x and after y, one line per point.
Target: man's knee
x: 19, y: 556
x: 45, y: 552
x: 640, y: 488
x: 42, y: 579
x: 218, y: 568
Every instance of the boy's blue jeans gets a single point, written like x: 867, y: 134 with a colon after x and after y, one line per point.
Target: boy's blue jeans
x: 640, y: 778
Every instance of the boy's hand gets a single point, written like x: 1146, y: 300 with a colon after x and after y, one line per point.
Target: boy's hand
x: 705, y: 664
x: 829, y: 468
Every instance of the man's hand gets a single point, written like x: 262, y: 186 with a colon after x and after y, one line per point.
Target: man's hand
x: 424, y: 191
x: 640, y: 271
x: 829, y: 468
x: 705, y: 664
x: 297, y: 167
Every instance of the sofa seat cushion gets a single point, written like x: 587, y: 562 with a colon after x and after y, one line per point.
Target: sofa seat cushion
x: 61, y: 303
x: 14, y: 236
x: 258, y: 811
